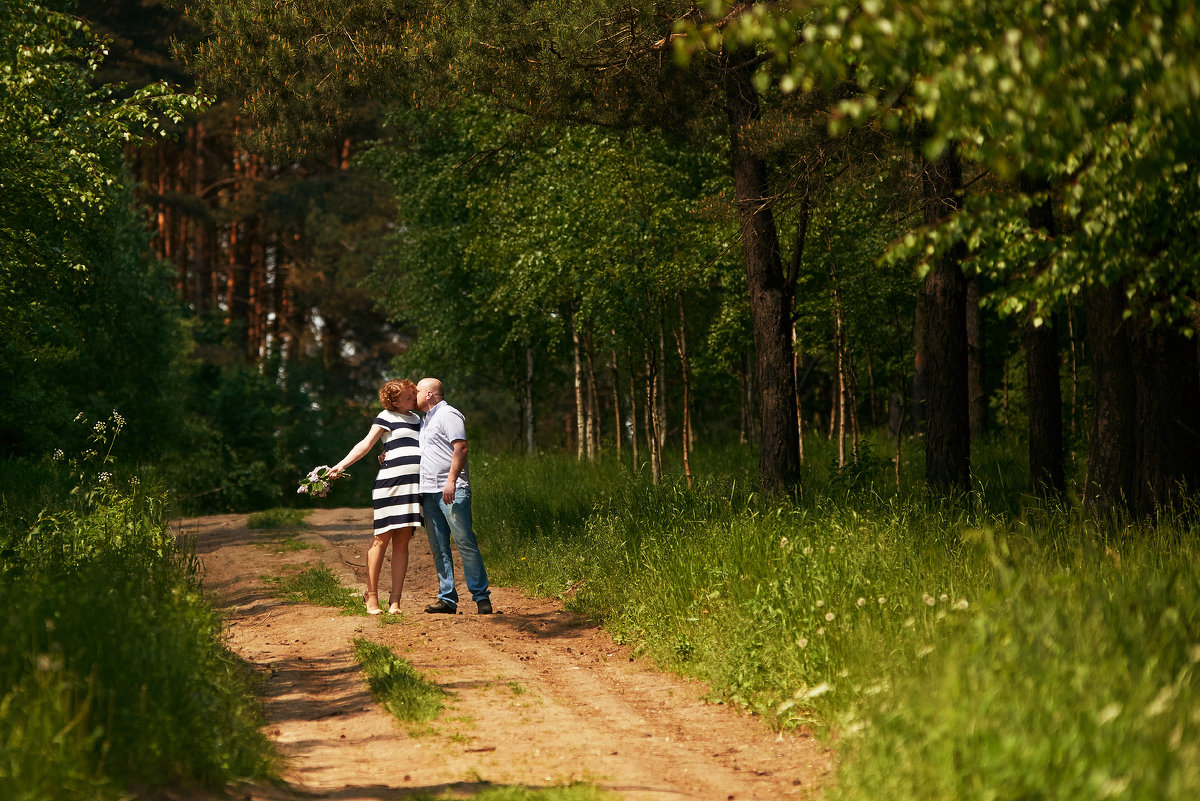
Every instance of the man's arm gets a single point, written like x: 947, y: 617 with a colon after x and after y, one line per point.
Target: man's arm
x: 457, y: 462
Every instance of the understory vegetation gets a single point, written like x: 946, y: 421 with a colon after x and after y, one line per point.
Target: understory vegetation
x: 113, y: 672
x: 974, y: 649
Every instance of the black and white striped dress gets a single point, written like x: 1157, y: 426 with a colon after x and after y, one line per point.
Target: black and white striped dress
x: 396, y: 498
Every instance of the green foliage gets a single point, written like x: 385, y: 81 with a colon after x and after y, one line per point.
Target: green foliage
x: 88, y: 319
x: 397, y: 685
x: 112, y: 669
x: 1094, y: 101
x: 955, y: 651
x: 318, y: 585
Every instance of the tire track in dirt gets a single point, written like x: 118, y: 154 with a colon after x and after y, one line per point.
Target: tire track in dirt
x: 538, y: 696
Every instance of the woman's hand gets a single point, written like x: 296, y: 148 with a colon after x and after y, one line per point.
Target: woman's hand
x: 336, y: 471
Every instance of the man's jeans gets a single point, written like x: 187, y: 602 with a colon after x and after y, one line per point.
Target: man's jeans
x: 442, y: 520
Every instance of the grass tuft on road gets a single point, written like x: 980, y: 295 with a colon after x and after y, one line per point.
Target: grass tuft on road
x: 397, y: 685
x: 317, y: 585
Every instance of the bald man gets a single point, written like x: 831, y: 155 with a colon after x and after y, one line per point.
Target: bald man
x: 446, y: 500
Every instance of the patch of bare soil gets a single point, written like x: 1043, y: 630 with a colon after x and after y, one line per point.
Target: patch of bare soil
x: 539, y: 697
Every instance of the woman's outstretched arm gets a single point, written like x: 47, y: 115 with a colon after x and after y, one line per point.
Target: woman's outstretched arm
x: 358, y: 451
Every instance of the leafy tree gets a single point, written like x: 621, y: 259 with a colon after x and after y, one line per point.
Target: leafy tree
x: 1093, y: 104
x: 87, y: 317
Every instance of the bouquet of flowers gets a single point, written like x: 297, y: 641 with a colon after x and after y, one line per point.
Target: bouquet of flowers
x: 317, y: 482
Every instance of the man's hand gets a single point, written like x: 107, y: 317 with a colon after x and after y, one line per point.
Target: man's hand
x: 382, y: 457
x: 448, y: 493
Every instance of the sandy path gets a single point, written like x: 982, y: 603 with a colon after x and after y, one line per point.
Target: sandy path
x: 539, y: 697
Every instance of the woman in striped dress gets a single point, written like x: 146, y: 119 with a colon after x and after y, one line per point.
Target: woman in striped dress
x: 396, y: 499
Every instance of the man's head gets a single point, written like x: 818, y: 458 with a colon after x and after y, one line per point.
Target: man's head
x: 429, y: 393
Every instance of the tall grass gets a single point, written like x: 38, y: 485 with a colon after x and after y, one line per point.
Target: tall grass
x: 112, y: 671
x: 986, y: 647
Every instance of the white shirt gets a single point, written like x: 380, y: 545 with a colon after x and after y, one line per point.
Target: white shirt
x: 442, y: 427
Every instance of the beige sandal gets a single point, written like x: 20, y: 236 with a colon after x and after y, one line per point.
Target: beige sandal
x: 367, y: 596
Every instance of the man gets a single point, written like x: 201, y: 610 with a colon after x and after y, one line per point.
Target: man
x: 446, y: 499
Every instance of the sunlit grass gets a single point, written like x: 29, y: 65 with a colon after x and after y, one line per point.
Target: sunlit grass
x: 1039, y: 648
x: 113, y: 672
x: 397, y: 686
x: 317, y: 585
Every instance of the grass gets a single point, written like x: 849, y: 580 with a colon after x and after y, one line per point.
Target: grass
x: 578, y: 791
x: 278, y: 517
x: 985, y: 648
x: 397, y: 686
x: 316, y: 584
x: 113, y: 672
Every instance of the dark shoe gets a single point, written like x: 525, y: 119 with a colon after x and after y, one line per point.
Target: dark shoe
x: 485, y: 606
x: 442, y: 607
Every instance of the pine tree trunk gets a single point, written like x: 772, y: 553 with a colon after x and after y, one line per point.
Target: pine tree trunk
x: 948, y: 430
x: 770, y: 296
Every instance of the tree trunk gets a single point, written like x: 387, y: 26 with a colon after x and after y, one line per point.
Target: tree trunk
x: 977, y: 404
x: 799, y: 405
x: 580, y: 427
x: 686, y: 375
x: 527, y: 401
x: 948, y: 430
x: 651, y: 415
x: 770, y: 296
x: 920, y: 379
x: 1043, y: 382
x: 633, y: 414
x: 616, y: 401
x: 1046, y: 473
x: 1166, y: 416
x: 591, y: 409
x: 660, y: 388
x: 1111, y: 460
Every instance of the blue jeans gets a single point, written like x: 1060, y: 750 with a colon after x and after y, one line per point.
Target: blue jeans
x: 442, y: 520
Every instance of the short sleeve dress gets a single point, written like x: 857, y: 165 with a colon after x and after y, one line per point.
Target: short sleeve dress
x: 396, y: 498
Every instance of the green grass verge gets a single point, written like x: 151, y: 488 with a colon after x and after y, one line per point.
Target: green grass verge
x: 397, y: 686
x: 316, y: 584
x: 113, y: 672
x: 277, y: 518
x: 986, y: 648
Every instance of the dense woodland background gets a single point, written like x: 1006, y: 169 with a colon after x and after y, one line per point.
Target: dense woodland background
x: 623, y: 229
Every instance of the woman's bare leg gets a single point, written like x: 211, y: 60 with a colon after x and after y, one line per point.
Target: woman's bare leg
x: 400, y: 540
x: 379, y: 544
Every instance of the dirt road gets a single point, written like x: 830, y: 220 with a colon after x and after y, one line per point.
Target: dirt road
x: 538, y: 697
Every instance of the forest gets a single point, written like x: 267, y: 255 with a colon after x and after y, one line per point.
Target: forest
x: 938, y: 252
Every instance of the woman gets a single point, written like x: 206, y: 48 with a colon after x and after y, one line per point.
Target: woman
x: 396, y: 499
